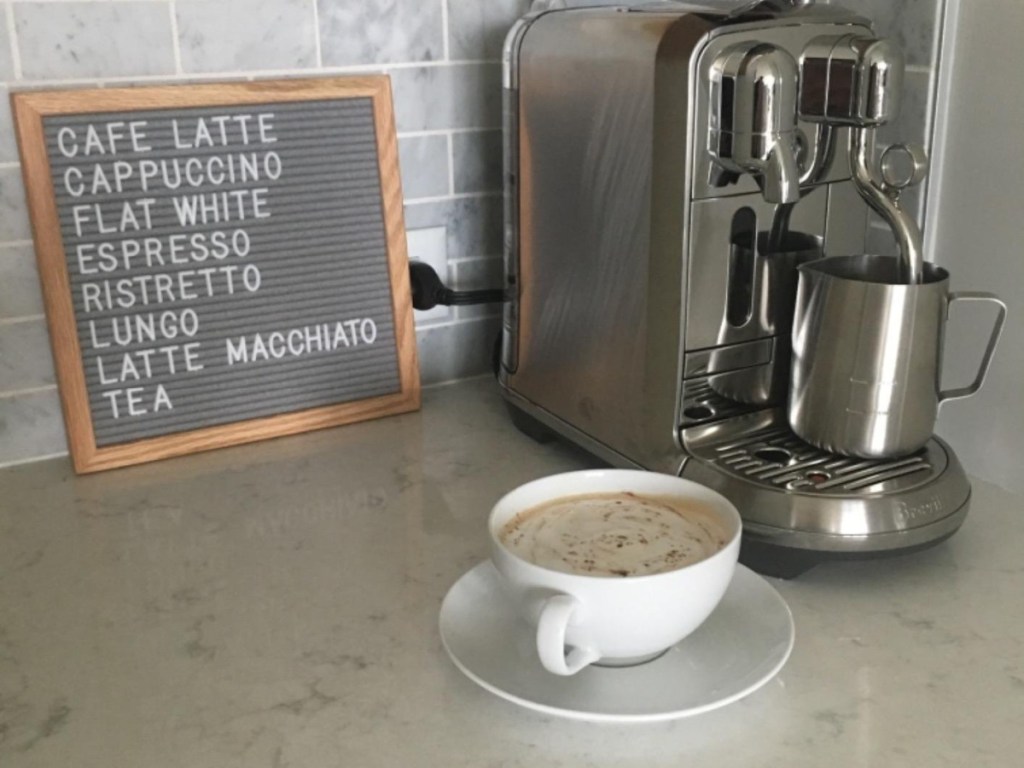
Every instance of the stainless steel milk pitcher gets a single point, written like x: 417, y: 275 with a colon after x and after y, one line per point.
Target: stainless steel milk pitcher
x: 867, y: 355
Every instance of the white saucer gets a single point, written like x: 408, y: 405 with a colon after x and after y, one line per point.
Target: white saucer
x: 741, y: 646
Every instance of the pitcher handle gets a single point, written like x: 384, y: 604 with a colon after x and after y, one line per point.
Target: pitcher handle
x: 993, y: 339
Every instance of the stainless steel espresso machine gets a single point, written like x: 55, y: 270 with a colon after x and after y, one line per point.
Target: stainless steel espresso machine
x: 668, y: 168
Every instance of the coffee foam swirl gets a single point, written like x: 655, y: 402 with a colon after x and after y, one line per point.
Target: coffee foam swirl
x: 614, y: 534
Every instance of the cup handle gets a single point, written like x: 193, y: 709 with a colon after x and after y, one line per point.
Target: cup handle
x: 555, y: 618
x: 986, y: 360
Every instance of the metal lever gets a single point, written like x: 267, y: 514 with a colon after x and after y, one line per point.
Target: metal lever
x: 903, y: 165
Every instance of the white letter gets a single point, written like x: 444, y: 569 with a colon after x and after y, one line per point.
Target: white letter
x: 91, y: 295
x: 276, y: 344
x: 161, y: 399
x: 84, y: 259
x: 62, y: 134
x: 71, y: 188
x: 265, y: 128
x: 177, y: 141
x: 114, y: 135
x: 78, y: 214
x: 112, y: 397
x: 251, y: 278
x: 104, y: 380
x: 135, y: 128
x: 135, y: 401
x: 368, y: 330
x: 237, y: 354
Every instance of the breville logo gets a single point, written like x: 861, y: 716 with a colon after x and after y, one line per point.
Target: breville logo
x: 909, y: 513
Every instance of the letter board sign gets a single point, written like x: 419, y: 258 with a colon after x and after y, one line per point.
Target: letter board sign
x: 220, y: 263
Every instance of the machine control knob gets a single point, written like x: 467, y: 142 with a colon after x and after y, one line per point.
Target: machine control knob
x: 903, y: 165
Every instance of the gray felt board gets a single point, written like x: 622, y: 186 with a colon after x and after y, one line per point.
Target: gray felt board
x: 226, y: 263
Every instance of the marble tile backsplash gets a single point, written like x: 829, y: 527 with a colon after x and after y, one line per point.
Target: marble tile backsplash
x: 916, y: 26
x: 87, y: 40
x: 354, y: 32
x: 444, y: 60
x: 233, y: 35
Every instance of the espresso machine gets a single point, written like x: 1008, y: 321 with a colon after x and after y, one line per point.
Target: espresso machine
x: 668, y: 169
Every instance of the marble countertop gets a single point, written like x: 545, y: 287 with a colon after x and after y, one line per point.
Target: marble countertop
x: 276, y: 605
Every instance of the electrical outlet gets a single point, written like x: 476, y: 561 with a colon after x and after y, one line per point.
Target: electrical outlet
x: 430, y: 245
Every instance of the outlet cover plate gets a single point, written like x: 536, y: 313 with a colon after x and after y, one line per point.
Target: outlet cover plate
x: 430, y: 245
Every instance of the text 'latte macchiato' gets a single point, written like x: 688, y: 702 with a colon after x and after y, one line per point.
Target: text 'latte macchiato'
x: 614, y: 534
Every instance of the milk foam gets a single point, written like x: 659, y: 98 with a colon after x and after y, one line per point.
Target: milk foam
x: 614, y: 534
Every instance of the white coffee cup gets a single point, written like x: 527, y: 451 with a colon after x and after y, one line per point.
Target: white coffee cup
x: 583, y: 619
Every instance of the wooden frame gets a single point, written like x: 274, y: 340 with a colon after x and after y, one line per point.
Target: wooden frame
x: 30, y: 108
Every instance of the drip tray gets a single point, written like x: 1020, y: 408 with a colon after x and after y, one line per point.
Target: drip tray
x: 761, y: 449
x: 778, y: 458
x: 796, y: 497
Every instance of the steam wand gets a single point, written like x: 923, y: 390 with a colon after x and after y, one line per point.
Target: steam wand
x: 856, y: 81
x: 882, y: 192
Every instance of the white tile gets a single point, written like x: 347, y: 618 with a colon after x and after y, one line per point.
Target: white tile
x: 477, y: 28
x: 31, y: 426
x: 430, y: 245
x: 232, y: 35
x: 6, y: 57
x: 97, y: 39
x: 14, y: 224
x: 25, y: 361
x: 477, y: 160
x: 424, y: 163
x: 474, y: 224
x: 20, y: 294
x: 357, y: 32
x: 457, y: 96
x: 8, y: 141
x: 457, y: 351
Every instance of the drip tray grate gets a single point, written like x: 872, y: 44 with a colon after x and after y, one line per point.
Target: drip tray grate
x: 776, y: 457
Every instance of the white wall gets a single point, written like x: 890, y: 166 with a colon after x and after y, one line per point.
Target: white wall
x: 975, y: 222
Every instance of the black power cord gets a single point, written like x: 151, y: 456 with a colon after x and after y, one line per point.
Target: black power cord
x: 428, y: 291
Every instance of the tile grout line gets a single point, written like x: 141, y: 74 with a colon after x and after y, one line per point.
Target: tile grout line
x: 451, y: 197
x: 443, y: 131
x: 450, y: 147
x: 474, y: 259
x: 317, y: 45
x: 444, y: 29
x: 175, y: 43
x: 83, y: 2
x: 12, y: 35
x: 430, y: 325
x: 255, y: 73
